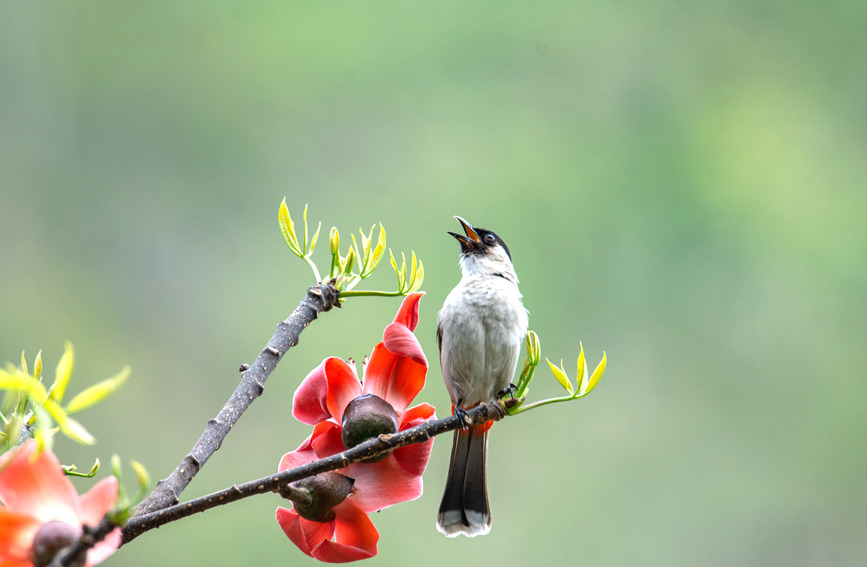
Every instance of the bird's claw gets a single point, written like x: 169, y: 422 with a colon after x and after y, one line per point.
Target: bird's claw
x: 463, y: 417
x: 507, y: 391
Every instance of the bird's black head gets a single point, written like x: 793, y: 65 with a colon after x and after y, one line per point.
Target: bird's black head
x: 479, y: 241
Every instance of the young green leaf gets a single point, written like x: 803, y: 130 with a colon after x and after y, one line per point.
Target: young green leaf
x: 417, y: 276
x: 348, y: 262
x: 378, y: 250
x: 63, y: 373
x: 72, y: 470
x: 304, y: 218
x: 37, y: 366
x: 75, y: 431
x: 98, y: 392
x: 597, y: 374
x: 142, y: 477
x: 287, y: 228
x: 315, y: 237
x: 560, y: 375
x: 401, y: 272
x: 582, y: 370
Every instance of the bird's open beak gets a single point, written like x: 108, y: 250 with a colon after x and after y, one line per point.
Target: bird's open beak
x: 471, y: 236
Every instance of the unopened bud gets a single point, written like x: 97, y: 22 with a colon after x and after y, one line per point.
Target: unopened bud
x: 366, y: 417
x: 50, y: 539
x: 314, y: 497
x: 534, y: 348
x: 334, y: 240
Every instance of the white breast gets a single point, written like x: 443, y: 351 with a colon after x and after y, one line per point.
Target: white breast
x: 483, y: 324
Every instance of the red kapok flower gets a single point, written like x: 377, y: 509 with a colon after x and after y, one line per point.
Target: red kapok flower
x: 354, y: 536
x: 395, y: 372
x: 40, y: 504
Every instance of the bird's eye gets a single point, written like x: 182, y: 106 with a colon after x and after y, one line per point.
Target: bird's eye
x: 490, y: 239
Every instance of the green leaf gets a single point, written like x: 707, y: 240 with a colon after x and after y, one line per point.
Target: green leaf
x: 142, y: 477
x: 378, y: 250
x: 417, y: 277
x: 71, y: 470
x: 582, y: 369
x: 597, y: 374
x: 348, y: 262
x: 287, y: 227
x: 401, y: 272
x: 76, y: 431
x: 304, y: 217
x: 365, y: 244
x: 560, y: 375
x: 24, y: 383
x: 37, y: 366
x: 98, y: 392
x: 116, y: 467
x: 63, y: 373
x: 315, y: 237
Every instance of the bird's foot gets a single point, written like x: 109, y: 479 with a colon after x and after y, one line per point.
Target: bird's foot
x: 463, y: 417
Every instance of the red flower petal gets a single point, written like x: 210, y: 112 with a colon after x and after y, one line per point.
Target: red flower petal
x: 416, y: 415
x: 98, y: 500
x: 327, y: 439
x: 300, y: 456
x: 38, y: 487
x: 407, y: 315
x: 355, y: 536
x: 414, y: 458
x: 401, y: 341
x: 396, y: 379
x: 99, y: 552
x: 383, y: 484
x: 309, y: 404
x: 343, y: 386
x: 305, y: 534
x: 16, y: 535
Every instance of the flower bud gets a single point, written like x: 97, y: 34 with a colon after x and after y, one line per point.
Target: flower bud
x: 334, y: 240
x: 534, y: 349
x: 50, y: 539
x: 366, y: 417
x: 314, y: 497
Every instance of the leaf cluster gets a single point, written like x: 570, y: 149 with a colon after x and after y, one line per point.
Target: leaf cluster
x: 347, y: 270
x: 585, y: 384
x: 30, y: 409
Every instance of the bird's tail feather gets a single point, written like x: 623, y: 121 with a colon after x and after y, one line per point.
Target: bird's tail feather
x: 464, y: 508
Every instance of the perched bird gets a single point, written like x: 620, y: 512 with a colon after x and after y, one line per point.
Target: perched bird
x: 479, y: 331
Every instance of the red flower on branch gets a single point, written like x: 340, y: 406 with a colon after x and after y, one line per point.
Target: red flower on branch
x: 42, y: 513
x: 354, y: 535
x: 395, y: 373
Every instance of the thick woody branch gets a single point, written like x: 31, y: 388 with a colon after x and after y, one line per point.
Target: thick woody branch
x: 319, y: 298
x: 491, y: 411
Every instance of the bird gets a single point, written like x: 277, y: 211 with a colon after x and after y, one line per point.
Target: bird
x: 480, y: 329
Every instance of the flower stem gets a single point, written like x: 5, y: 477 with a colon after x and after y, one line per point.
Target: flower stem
x: 300, y: 496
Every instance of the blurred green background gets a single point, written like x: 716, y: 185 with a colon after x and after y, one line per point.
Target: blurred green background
x: 682, y: 185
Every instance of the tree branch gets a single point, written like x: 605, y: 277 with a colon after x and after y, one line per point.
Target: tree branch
x: 76, y: 554
x: 492, y: 411
x: 319, y: 298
